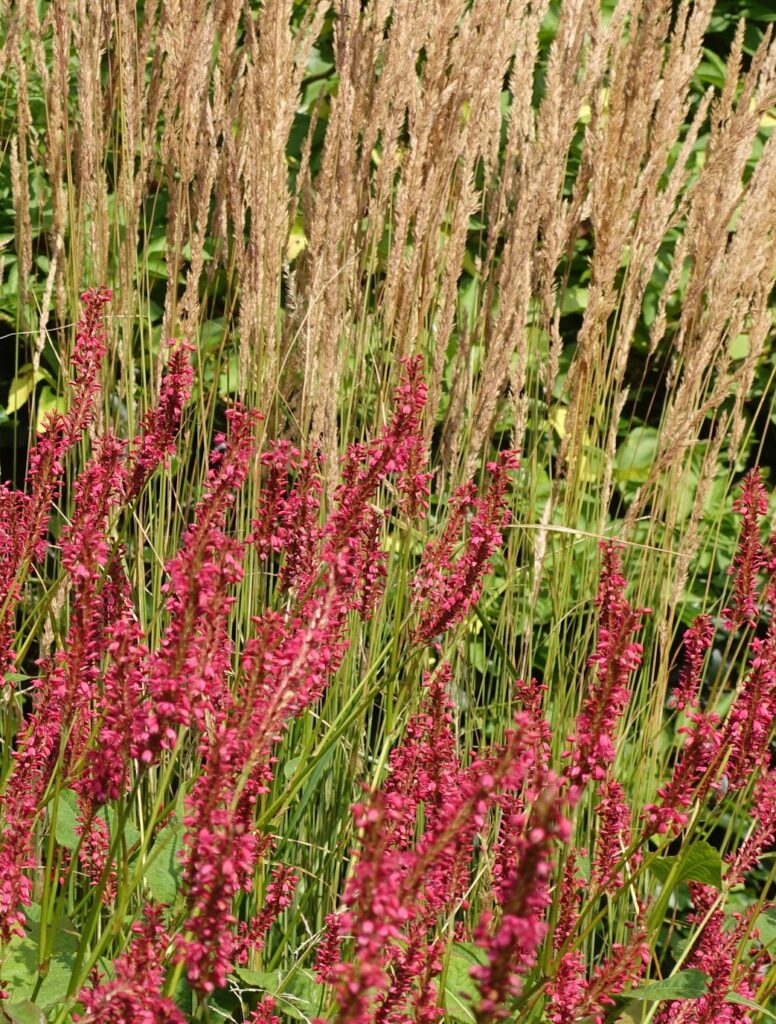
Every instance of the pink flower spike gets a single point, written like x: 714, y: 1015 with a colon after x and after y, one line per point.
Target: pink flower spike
x: 446, y: 587
x: 159, y: 429
x: 615, y: 659
x: 696, y: 641
x: 750, y: 557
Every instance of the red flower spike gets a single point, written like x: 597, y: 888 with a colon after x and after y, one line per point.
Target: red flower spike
x: 750, y: 557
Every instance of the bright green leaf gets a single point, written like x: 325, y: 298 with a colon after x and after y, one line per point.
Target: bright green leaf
x: 700, y: 862
x: 636, y: 455
x: 21, y: 388
x: 295, y: 994
x: 162, y: 872
x: 461, y: 993
x: 766, y: 925
x: 689, y: 984
x: 22, y: 1013
x: 66, y: 831
x: 20, y: 967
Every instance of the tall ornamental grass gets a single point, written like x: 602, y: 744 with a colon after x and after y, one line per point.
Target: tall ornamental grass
x: 387, y: 576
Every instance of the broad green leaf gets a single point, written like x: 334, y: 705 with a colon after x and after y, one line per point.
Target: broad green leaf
x: 689, y: 984
x: 700, y: 862
x: 766, y: 925
x: 738, y: 347
x: 297, y: 241
x: 298, y: 995
x: 636, y: 455
x: 162, y: 872
x: 22, y: 1013
x: 461, y: 993
x: 19, y: 970
x: 21, y: 388
x: 66, y: 830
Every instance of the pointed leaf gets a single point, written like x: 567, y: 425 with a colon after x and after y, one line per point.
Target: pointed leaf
x: 689, y: 984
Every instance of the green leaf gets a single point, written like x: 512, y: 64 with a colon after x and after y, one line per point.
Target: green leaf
x: 22, y: 1013
x: 66, y: 830
x: 162, y: 872
x: 636, y: 455
x: 734, y: 997
x: 21, y: 388
x: 766, y: 925
x: 295, y: 994
x: 689, y: 984
x: 20, y: 967
x: 699, y: 862
x: 738, y: 347
x: 461, y: 993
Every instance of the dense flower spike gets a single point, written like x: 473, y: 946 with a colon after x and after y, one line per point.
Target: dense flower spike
x: 159, y: 429
x: 409, y: 877
x: 751, y: 504
x: 299, y: 517
x: 132, y: 994
x: 270, y: 535
x: 622, y: 969
x: 34, y: 761
x: 24, y: 517
x: 366, y: 466
x: 446, y: 588
x: 277, y: 897
x: 696, y: 641
x: 187, y: 674
x: 614, y: 817
x: 106, y: 770
x: 263, y: 1014
x: 67, y: 688
x: 715, y: 954
x: 748, y: 728
x: 511, y: 942
x: 93, y: 853
x: 566, y: 991
x: 762, y: 834
x: 616, y: 657
x: 691, y: 777
x: 413, y: 484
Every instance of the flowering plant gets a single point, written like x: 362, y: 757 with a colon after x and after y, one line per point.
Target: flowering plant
x: 143, y: 803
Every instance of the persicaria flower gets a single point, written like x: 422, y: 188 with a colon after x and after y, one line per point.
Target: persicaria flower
x: 696, y: 641
x: 263, y: 1014
x: 365, y: 466
x: 622, y: 969
x: 693, y: 763
x: 749, y: 725
x: 762, y: 834
x: 511, y: 940
x: 614, y: 818
x: 277, y: 898
x: 616, y: 657
x: 446, y: 587
x: 132, y: 995
x: 24, y: 517
x: 159, y: 429
x: 751, y: 504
